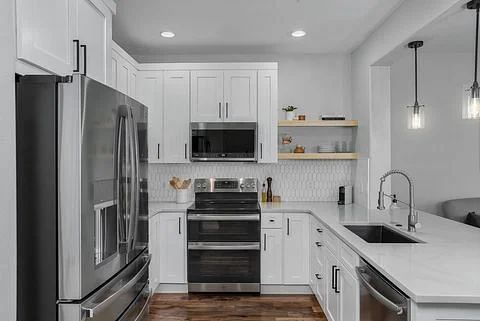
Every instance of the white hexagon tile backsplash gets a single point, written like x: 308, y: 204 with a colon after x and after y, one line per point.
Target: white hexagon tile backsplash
x: 292, y: 180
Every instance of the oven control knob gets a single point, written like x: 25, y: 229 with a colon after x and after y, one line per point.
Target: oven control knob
x: 204, y: 185
x: 248, y: 186
x: 242, y: 186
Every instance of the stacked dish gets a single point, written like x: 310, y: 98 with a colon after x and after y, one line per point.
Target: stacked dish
x: 326, y: 148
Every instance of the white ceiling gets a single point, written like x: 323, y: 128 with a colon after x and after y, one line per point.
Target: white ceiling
x: 246, y: 26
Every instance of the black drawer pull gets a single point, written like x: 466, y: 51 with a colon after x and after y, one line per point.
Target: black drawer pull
x: 319, y: 230
x: 318, y: 244
x: 318, y: 276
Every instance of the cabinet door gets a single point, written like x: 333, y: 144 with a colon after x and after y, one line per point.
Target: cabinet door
x: 207, y: 96
x: 120, y: 76
x: 172, y: 248
x: 154, y: 247
x: 176, y: 103
x: 267, y: 116
x: 240, y: 96
x: 132, y: 82
x: 272, y: 255
x: 45, y: 34
x: 296, y: 254
x: 332, y: 297
x: 321, y: 282
x: 150, y: 93
x: 349, y: 297
x: 95, y: 32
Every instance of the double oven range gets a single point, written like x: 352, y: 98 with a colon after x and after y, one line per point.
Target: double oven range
x: 224, y: 236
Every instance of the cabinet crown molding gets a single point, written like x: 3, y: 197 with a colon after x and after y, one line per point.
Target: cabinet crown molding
x: 209, y: 66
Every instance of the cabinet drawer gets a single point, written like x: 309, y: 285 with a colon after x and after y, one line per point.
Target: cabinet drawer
x: 317, y: 231
x: 349, y: 258
x: 331, y: 242
x: 270, y: 220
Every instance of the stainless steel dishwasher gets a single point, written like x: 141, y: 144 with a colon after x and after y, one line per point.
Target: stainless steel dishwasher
x: 380, y: 300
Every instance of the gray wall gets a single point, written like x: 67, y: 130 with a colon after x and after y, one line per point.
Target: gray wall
x: 443, y: 158
x: 7, y: 165
x: 315, y: 83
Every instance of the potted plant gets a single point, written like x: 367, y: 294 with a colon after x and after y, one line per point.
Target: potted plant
x: 289, y: 112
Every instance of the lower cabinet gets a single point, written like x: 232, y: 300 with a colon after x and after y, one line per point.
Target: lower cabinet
x: 285, y: 250
x: 172, y: 249
x: 272, y: 256
x: 332, y: 275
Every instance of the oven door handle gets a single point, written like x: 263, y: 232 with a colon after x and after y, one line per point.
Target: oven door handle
x: 223, y: 217
x: 382, y: 299
x: 227, y: 246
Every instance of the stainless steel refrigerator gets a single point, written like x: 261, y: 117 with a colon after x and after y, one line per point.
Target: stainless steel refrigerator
x: 82, y: 201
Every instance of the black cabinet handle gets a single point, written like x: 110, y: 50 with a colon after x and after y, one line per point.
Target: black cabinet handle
x: 185, y: 151
x: 220, y: 110
x: 261, y: 150
x: 265, y: 242
x: 319, y: 230
x: 158, y: 151
x: 336, y: 280
x: 84, y: 47
x: 318, y: 276
x: 77, y: 49
x: 288, y: 226
x: 333, y: 276
x: 226, y: 110
x: 180, y: 225
x: 272, y: 221
x: 318, y: 244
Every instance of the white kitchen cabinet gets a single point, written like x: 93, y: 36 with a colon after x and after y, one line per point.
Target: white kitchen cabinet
x: 272, y: 256
x: 176, y: 106
x: 124, y: 71
x: 94, y: 31
x: 240, y: 95
x: 45, y: 33
x: 172, y: 248
x: 207, y: 96
x: 296, y: 249
x: 267, y: 116
x: 349, y: 296
x: 150, y: 93
x: 332, y: 295
x: 154, y: 248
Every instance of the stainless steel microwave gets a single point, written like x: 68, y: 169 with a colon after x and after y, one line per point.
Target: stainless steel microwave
x: 223, y: 142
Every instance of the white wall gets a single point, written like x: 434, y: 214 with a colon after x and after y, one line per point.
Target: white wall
x: 443, y: 158
x: 395, y: 32
x: 315, y: 83
x: 7, y: 165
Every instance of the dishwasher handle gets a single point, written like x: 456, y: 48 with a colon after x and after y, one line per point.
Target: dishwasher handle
x: 382, y: 299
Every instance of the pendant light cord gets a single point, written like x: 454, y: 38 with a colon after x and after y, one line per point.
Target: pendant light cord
x: 416, y: 80
x: 476, y: 47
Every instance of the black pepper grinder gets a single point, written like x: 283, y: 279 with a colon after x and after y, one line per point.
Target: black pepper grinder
x: 269, y: 190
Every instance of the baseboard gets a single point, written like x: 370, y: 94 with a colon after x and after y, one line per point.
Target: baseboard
x: 172, y: 288
x: 264, y: 289
x: 285, y: 289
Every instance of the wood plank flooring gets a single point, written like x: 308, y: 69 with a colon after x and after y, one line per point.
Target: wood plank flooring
x: 207, y: 307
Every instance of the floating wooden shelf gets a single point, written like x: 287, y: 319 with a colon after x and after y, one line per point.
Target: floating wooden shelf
x: 313, y: 156
x: 318, y: 123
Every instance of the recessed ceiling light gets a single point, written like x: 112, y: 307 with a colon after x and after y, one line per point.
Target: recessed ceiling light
x: 298, y: 33
x: 167, y: 34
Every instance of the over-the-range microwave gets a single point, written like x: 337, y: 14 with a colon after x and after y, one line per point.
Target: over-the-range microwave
x: 223, y: 142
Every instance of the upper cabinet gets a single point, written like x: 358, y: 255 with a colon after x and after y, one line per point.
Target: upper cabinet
x: 224, y: 96
x: 66, y: 36
x: 240, y: 95
x: 45, y: 33
x: 267, y: 116
x: 207, y: 96
x: 124, y: 71
x: 95, y: 36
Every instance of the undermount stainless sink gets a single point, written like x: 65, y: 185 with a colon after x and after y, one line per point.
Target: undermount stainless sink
x: 379, y: 234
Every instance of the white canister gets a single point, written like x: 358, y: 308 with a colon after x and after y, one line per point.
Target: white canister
x: 289, y: 115
x: 182, y: 196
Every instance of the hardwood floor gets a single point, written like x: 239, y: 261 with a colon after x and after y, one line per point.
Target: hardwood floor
x: 207, y: 307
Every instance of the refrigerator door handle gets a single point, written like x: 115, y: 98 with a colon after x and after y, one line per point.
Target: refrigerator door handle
x: 132, y: 187
x: 121, y: 181
x: 136, y: 179
x: 93, y: 309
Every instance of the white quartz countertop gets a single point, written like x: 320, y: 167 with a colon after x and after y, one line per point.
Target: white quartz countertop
x: 443, y: 269
x: 155, y: 208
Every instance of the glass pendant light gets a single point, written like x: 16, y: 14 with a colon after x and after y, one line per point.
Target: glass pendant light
x: 416, y: 114
x: 471, y: 105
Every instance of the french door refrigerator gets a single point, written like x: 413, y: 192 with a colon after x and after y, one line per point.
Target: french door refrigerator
x: 82, y: 201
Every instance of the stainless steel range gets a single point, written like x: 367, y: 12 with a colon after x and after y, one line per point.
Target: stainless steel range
x: 224, y: 236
